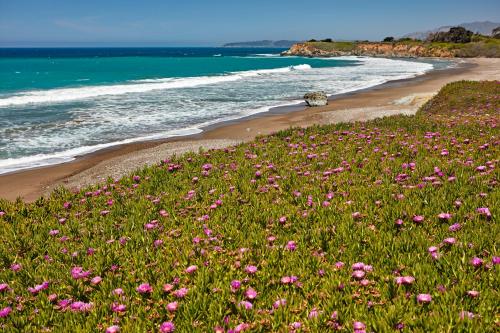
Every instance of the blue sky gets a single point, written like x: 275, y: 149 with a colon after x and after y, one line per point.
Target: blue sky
x: 212, y: 22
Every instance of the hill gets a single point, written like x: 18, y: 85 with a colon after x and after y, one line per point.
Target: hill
x: 482, y: 28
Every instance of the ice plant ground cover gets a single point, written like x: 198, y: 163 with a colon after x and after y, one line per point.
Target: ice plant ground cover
x: 378, y: 226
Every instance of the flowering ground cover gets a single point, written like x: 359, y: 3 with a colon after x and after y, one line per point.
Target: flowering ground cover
x: 387, y: 225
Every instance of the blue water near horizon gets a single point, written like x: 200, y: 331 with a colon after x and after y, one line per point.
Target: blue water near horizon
x: 58, y: 103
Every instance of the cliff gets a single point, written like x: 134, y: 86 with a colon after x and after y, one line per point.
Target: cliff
x: 484, y: 48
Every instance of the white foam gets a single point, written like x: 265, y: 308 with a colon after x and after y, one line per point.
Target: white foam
x: 137, y: 86
x: 40, y: 160
x: 267, y: 55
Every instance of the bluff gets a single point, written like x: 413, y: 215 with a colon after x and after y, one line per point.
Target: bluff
x: 405, y: 49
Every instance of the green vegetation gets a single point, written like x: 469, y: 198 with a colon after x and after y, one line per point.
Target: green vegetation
x: 458, y: 42
x: 383, y: 225
x: 334, y: 46
x: 454, y: 35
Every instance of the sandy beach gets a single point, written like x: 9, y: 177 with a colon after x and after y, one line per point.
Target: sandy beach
x: 402, y: 97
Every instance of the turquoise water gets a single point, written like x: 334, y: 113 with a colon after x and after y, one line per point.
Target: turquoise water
x: 56, y: 104
x: 39, y: 73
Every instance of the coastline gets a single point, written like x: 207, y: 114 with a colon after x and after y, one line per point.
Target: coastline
x: 360, y: 105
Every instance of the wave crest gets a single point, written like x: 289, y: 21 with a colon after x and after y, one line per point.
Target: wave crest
x: 137, y: 86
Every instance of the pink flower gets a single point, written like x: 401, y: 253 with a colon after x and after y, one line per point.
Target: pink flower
x: 118, y: 291
x: 4, y: 287
x: 53, y: 232
x: 358, y: 275
x: 358, y: 326
x: 432, y: 249
x: 455, y: 227
x: 424, y: 298
x: 279, y: 303
x: 144, y: 288
x: 5, y: 312
x: 96, y: 280
x: 191, y: 269
x: 449, y: 241
x: 251, y: 269
x: 172, y: 306
x: 235, y: 285
x: 485, y: 211
x: 113, y: 329
x: 241, y: 328
x: 167, y: 327
x: 364, y: 282
x: 358, y: 266
x: 35, y: 290
x: 473, y: 293
x: 418, y: 219
x: 405, y: 280
x: 466, y: 315
x: 356, y: 215
x: 180, y: 293
x: 476, y: 262
x: 246, y: 305
x: 314, y: 313
x: 339, y: 265
x: 168, y: 287
x: 16, y: 267
x: 291, y: 246
x: 79, y: 306
x: 250, y: 293
x: 116, y: 307
x: 78, y: 273
x: 444, y: 216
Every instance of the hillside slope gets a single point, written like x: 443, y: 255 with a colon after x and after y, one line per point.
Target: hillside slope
x: 483, y: 47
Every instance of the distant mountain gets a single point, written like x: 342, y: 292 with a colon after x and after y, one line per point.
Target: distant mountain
x: 483, y: 28
x: 264, y: 43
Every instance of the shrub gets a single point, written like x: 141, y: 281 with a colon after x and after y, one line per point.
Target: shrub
x: 496, y: 33
x: 454, y: 35
x: 389, y: 39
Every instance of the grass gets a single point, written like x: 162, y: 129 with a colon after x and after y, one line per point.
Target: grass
x: 334, y: 46
x: 282, y: 218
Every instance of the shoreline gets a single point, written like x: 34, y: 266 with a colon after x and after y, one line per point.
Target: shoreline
x: 359, y: 105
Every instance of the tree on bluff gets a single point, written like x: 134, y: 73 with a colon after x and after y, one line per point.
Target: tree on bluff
x: 455, y: 35
x: 496, y: 33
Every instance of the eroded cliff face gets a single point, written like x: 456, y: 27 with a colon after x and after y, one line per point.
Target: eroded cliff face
x: 371, y: 49
x: 400, y: 50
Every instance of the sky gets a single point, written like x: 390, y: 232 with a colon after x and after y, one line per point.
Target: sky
x: 213, y: 22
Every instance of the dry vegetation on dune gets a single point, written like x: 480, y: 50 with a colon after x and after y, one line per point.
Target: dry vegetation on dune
x: 386, y: 225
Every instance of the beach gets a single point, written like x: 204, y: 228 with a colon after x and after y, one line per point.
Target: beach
x: 399, y: 97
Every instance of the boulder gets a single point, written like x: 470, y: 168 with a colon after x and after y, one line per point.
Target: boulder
x: 317, y: 98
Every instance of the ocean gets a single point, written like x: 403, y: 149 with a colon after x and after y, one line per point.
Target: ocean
x: 56, y: 104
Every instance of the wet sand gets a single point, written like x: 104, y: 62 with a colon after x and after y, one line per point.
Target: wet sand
x: 401, y: 97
